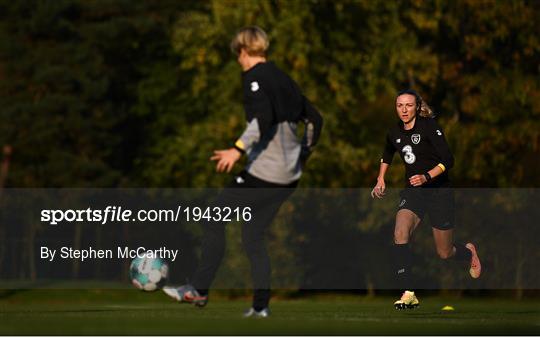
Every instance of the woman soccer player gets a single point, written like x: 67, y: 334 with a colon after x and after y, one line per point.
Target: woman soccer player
x: 422, y: 146
x: 274, y: 105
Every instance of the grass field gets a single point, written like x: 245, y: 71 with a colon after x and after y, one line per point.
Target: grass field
x: 131, y: 312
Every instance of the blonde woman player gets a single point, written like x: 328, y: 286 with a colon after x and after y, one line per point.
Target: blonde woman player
x: 423, y: 148
x: 274, y: 105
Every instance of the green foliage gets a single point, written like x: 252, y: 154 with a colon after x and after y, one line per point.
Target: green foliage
x: 350, y: 57
x: 111, y: 93
x: 69, y: 77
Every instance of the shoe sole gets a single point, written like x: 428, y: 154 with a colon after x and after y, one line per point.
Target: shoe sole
x: 475, y: 273
x: 174, y: 295
x: 200, y: 303
x: 405, y: 306
x: 255, y: 316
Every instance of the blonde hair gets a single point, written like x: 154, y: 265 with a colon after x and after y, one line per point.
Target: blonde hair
x: 425, y: 110
x: 252, y: 39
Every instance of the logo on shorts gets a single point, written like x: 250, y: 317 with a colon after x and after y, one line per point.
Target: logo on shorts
x: 439, y: 132
x: 239, y: 180
x: 398, y: 140
x: 402, y: 203
x: 254, y: 86
x: 415, y: 138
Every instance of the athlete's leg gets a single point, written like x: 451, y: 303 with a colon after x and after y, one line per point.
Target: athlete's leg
x: 442, y: 216
x: 212, y: 251
x: 444, y: 242
x: 406, y: 222
x: 446, y: 249
x: 253, y: 240
x: 254, y: 243
x: 213, y: 243
x: 411, y: 211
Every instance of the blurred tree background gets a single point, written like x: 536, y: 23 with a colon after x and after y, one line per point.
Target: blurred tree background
x: 119, y: 93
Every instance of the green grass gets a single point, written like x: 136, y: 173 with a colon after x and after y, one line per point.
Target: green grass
x: 131, y: 312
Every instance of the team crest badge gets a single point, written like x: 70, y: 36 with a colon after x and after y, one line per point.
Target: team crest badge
x: 415, y: 138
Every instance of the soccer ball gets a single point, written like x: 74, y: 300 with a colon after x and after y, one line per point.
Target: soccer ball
x: 148, y: 274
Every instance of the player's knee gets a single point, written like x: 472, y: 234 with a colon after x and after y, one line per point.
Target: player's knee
x: 401, y: 236
x: 444, y: 254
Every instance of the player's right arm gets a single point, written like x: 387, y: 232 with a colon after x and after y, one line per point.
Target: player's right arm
x: 388, y: 154
x: 380, y: 187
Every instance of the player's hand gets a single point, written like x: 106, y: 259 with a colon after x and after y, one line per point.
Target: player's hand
x: 225, y: 159
x: 379, y: 189
x: 417, y: 180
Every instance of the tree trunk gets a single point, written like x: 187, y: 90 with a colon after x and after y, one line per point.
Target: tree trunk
x: 3, y: 175
x: 520, y: 262
x: 31, y: 252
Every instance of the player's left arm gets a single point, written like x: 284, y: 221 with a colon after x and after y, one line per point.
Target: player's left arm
x: 436, y: 137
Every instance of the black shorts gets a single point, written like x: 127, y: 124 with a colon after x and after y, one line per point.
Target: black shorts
x: 438, y: 203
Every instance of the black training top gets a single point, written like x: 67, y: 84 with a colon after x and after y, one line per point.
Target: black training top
x: 272, y: 97
x: 421, y: 149
x: 274, y: 105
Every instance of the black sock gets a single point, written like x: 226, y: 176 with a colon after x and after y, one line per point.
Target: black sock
x: 462, y: 253
x: 403, y: 262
